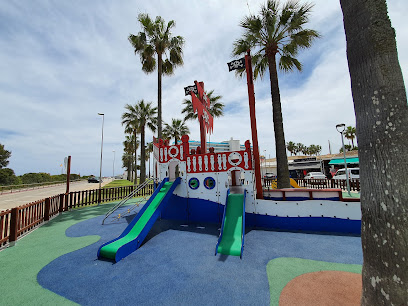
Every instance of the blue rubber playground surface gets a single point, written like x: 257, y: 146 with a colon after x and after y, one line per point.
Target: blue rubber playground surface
x: 175, y: 265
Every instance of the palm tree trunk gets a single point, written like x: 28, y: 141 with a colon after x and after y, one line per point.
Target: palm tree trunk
x: 129, y: 171
x: 149, y: 164
x: 280, y: 147
x: 135, y: 177
x: 380, y: 104
x: 159, y: 96
x: 142, y: 156
x: 130, y: 174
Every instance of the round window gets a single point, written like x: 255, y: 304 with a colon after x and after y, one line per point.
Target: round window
x: 194, y: 183
x: 209, y: 183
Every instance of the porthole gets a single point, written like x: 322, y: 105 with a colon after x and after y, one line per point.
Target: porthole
x: 173, y: 151
x: 209, y: 183
x: 194, y: 183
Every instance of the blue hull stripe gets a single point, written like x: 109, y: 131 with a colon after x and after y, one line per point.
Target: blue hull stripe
x: 198, y: 210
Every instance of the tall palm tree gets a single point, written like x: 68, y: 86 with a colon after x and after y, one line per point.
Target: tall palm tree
x: 216, y: 107
x: 130, y: 144
x: 177, y: 129
x: 350, y: 134
x: 380, y: 105
x: 155, y: 39
x: 149, y: 151
x: 276, y: 33
x: 141, y: 115
x: 131, y: 128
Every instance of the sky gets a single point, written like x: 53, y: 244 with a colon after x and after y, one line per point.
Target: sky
x: 63, y: 62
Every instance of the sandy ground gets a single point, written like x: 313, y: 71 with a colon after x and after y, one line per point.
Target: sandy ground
x: 323, y: 288
x: 11, y: 200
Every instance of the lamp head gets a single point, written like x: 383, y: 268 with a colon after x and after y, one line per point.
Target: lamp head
x: 340, y: 127
x: 101, y: 114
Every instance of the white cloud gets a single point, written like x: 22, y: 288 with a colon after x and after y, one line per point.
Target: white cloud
x: 63, y: 62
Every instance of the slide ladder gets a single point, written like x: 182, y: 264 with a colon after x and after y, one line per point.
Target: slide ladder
x: 135, y: 233
x: 231, y: 240
x: 127, y: 198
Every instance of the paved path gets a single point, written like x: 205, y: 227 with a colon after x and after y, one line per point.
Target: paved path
x: 11, y: 200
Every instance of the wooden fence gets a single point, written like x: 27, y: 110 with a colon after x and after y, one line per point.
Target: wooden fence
x: 319, y: 183
x: 21, y: 220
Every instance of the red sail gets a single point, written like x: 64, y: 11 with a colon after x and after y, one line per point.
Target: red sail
x: 201, y: 110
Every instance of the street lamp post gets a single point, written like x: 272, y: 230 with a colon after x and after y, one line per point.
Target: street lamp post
x: 113, y: 173
x: 340, y: 128
x: 265, y: 162
x: 100, y: 167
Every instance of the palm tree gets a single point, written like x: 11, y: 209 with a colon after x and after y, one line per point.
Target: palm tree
x: 177, y: 129
x: 350, y: 134
x: 149, y: 150
x: 380, y: 104
x: 141, y: 115
x: 216, y: 107
x: 131, y: 128
x: 130, y: 145
x: 155, y: 39
x: 300, y: 147
x: 276, y: 32
x: 291, y: 147
x: 127, y: 156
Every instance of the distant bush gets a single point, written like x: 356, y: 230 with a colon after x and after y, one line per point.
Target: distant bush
x: 7, y: 177
x: 41, y: 177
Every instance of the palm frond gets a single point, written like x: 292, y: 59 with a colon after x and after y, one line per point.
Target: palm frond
x: 288, y: 63
x: 167, y: 67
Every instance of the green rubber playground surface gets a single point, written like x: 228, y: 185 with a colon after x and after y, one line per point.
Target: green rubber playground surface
x: 21, y: 264
x: 109, y: 250
x: 232, y: 234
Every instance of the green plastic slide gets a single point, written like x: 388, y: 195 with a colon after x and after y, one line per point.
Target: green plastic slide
x: 232, y: 232
x: 110, y: 250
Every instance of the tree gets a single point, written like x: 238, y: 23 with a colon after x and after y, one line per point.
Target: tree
x: 300, y: 148
x: 314, y: 149
x: 131, y: 128
x: 7, y: 177
x: 216, y: 108
x: 127, y: 158
x: 155, y: 39
x: 277, y: 32
x: 346, y: 147
x: 291, y: 147
x: 177, y: 129
x: 149, y: 150
x: 350, y: 134
x: 142, y: 115
x: 380, y: 104
x: 4, y: 156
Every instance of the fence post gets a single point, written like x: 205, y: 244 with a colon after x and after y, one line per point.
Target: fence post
x: 47, y: 209
x: 99, y: 196
x: 66, y: 202
x: 13, y: 226
x: 61, y: 203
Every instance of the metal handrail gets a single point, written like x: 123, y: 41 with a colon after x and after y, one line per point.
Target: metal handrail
x: 125, y: 199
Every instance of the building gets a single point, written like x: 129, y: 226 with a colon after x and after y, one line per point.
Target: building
x: 224, y: 146
x: 299, y: 166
